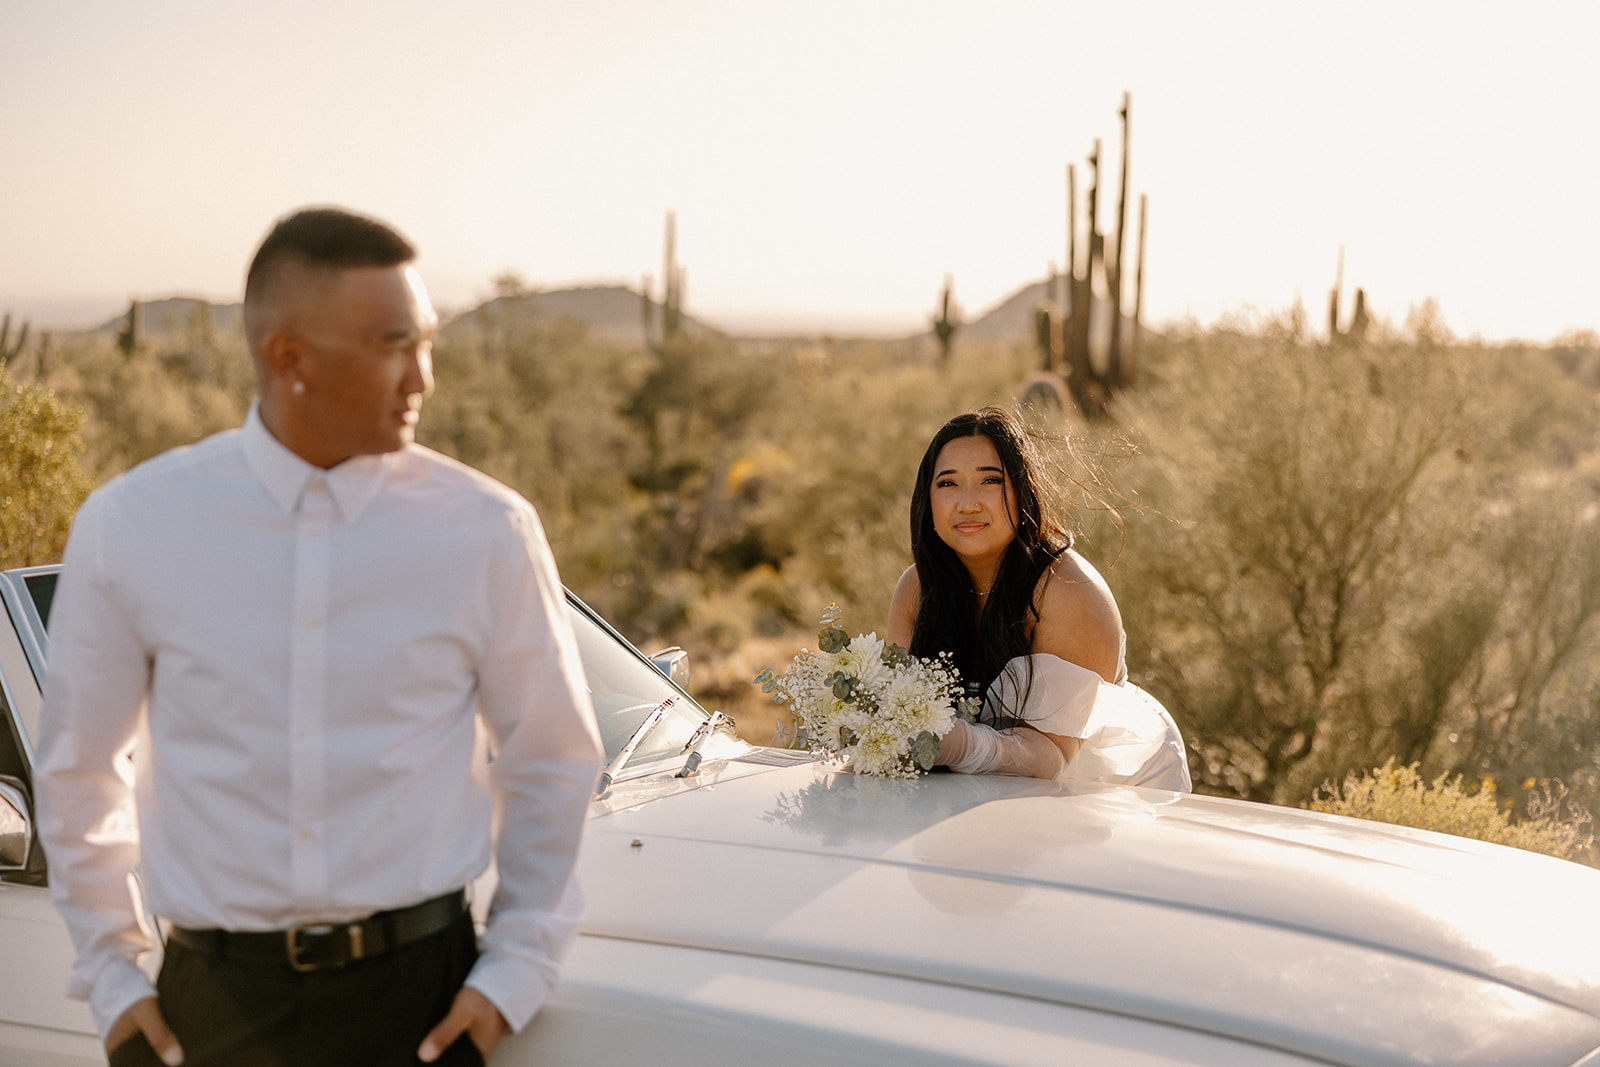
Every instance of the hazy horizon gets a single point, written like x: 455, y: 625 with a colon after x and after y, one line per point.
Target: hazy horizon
x: 90, y: 312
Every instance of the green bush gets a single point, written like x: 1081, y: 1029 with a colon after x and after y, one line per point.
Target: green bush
x: 1400, y: 795
x: 1362, y: 551
x: 41, y: 482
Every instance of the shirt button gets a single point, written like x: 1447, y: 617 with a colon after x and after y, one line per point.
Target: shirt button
x: 311, y: 624
x: 307, y: 833
x: 314, y: 530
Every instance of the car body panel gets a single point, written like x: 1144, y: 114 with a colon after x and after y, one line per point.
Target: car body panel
x: 1125, y: 900
x: 622, y: 1000
x: 31, y: 930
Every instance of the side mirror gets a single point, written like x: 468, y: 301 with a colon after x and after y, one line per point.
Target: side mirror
x: 674, y: 663
x: 16, y: 826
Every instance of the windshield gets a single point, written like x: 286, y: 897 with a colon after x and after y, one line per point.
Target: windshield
x: 42, y: 589
x: 626, y: 688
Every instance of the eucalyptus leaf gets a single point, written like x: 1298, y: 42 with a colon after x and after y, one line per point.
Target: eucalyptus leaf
x: 833, y: 639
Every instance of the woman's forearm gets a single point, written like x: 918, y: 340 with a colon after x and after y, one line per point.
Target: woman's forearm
x: 971, y: 748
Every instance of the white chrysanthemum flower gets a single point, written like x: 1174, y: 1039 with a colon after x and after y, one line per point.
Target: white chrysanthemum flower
x: 827, y: 663
x: 824, y: 718
x: 917, y: 701
x: 880, y: 752
x: 863, y: 661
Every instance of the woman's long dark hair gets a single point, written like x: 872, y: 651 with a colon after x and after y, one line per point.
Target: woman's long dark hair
x: 948, y: 616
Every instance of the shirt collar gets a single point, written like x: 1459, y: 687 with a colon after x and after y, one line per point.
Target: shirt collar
x: 352, y: 483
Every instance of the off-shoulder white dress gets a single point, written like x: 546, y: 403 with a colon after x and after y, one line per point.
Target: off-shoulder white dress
x: 1128, y: 737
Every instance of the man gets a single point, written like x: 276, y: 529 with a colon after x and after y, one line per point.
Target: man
x: 335, y: 658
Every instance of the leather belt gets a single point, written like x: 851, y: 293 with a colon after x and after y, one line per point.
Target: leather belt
x: 318, y: 946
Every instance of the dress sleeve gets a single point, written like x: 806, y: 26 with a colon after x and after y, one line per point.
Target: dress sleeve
x: 1127, y: 737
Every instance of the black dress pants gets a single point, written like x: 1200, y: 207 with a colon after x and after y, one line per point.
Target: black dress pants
x: 231, y: 1013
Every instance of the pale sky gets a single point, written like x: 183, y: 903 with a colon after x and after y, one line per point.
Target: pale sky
x: 830, y: 161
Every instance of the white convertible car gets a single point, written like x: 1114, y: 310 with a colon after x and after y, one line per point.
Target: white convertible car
x: 750, y: 905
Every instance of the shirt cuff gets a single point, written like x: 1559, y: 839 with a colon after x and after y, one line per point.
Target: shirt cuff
x: 116, y: 989
x: 518, y: 988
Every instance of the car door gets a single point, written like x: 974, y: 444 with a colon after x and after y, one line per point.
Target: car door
x: 39, y: 1026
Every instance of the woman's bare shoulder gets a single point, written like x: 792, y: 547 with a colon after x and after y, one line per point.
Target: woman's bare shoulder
x: 908, y: 581
x: 903, y: 608
x: 1078, y: 616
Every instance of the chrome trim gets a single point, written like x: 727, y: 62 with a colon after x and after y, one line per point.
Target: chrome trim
x: 674, y: 663
x: 21, y: 659
x: 12, y: 795
x: 19, y: 603
x: 574, y: 601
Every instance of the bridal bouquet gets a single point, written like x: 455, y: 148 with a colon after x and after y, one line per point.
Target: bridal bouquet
x: 879, y: 705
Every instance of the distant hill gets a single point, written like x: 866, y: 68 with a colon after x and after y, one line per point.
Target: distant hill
x: 175, y: 314
x: 1012, y: 318
x: 611, y: 312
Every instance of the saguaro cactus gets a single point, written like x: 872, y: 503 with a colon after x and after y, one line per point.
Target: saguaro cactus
x: 1131, y: 364
x: 1114, y: 370
x: 128, y: 337
x: 1092, y: 387
x: 1047, y: 322
x: 671, y: 306
x: 11, y: 348
x: 947, y: 322
x: 1360, y: 320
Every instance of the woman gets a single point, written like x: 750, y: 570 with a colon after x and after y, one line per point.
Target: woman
x: 996, y: 583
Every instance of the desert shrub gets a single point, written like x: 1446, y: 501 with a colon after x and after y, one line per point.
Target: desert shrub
x: 1400, y: 795
x: 1299, y: 495
x: 41, y: 481
x: 1542, y: 417
x: 167, y: 393
x: 1356, y: 552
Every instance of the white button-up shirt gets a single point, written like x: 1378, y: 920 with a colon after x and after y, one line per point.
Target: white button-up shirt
x: 309, y: 670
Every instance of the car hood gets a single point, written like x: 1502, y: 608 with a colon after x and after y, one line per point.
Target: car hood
x: 1330, y: 937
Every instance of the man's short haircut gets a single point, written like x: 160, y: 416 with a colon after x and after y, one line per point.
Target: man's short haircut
x: 325, y: 237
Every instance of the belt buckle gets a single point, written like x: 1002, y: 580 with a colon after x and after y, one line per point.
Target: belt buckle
x: 296, y: 946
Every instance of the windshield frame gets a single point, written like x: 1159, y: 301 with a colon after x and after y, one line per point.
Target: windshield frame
x: 677, y: 727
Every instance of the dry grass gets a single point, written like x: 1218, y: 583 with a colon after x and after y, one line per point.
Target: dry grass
x: 1400, y: 795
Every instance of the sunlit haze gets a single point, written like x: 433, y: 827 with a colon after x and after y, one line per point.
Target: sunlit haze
x: 829, y: 162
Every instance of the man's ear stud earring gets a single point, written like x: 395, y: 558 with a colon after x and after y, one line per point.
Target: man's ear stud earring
x: 298, y: 388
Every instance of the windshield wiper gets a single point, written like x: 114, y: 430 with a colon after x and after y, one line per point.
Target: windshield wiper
x: 702, y: 733
x: 639, y: 734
